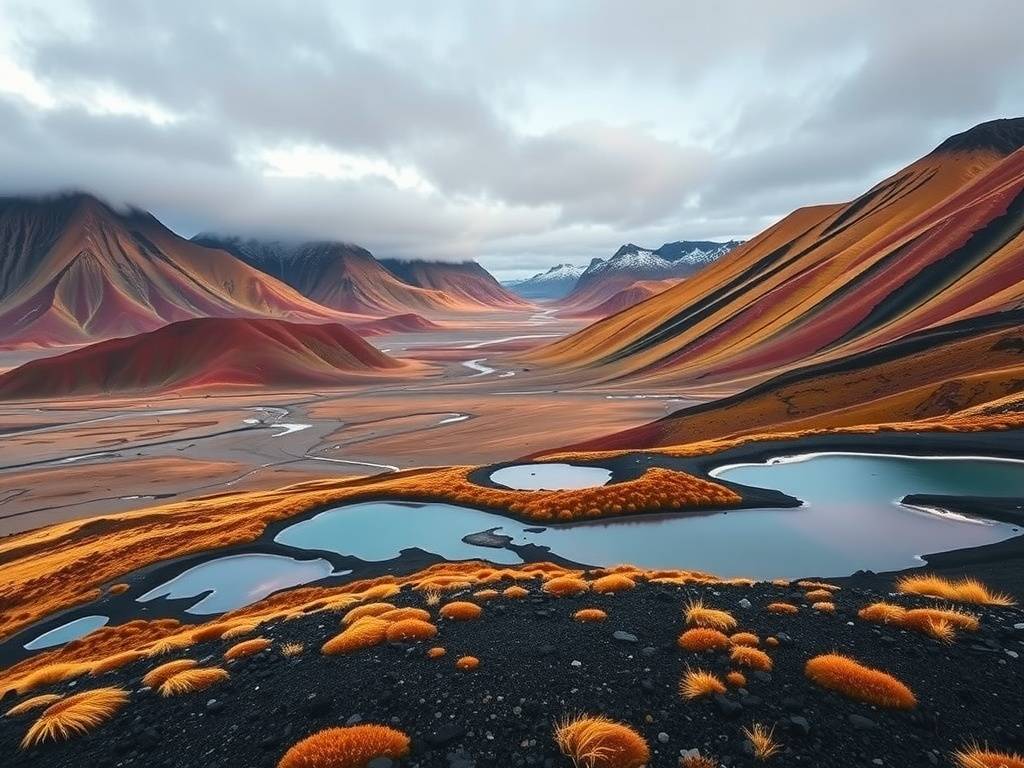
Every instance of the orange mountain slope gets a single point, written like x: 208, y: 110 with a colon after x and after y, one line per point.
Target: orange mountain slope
x: 939, y: 241
x: 975, y: 365
x: 625, y: 298
x: 466, y: 282
x: 338, y: 275
x: 406, y: 323
x: 73, y: 270
x: 207, y: 353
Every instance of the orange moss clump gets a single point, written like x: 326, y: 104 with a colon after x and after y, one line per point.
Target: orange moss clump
x: 613, y: 582
x: 247, y: 648
x: 192, y: 680
x: 940, y: 623
x: 461, y: 611
x: 745, y: 638
x: 819, y: 595
x: 36, y: 702
x: 364, y: 633
x: 762, y: 740
x: 211, y: 631
x: 484, y: 595
x: 436, y: 652
x: 975, y: 756
x: 824, y: 607
x: 118, y: 589
x: 516, y: 592
x: 410, y: 629
x: 594, y: 741
x: 736, y: 679
x: 590, y: 614
x: 565, y: 586
x: 370, y: 609
x: 51, y: 673
x: 698, y: 682
x: 698, y: 761
x: 854, y: 680
x: 155, y: 677
x: 116, y: 661
x: 350, y: 747
x: 703, y: 639
x: 771, y: 641
x: 75, y: 715
x: 781, y: 608
x: 753, y: 658
x: 467, y: 663
x: 400, y: 614
x: 882, y: 613
x: 806, y: 584
x: 966, y: 590
x: 698, y: 615
x: 239, y: 630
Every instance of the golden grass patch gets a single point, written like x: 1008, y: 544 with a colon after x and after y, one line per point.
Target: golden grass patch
x: 156, y: 676
x: 807, y: 584
x: 762, y: 741
x: 781, y: 608
x: 965, y: 590
x: 192, y: 680
x: 975, y: 756
x: 696, y: 683
x: 856, y: 681
x: 595, y: 741
x: 350, y: 747
x: 882, y: 613
x: 818, y: 595
x: 702, y: 639
x: 247, y: 648
x: 75, y: 715
x: 461, y: 611
x: 116, y: 661
x: 752, y: 658
x: 239, y: 630
x: 590, y: 614
x: 699, y: 615
x: 34, y: 703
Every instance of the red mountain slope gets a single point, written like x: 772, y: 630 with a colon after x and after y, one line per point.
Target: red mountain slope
x: 466, y: 282
x: 73, y: 270
x: 207, y: 353
x: 623, y: 299
x: 940, y: 241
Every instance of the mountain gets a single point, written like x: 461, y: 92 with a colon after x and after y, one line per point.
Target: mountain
x: 338, y: 275
x: 466, y: 282
x: 553, y: 284
x: 939, y: 241
x: 74, y: 270
x: 603, y: 278
x: 207, y: 353
x: 407, y: 323
x: 624, y: 299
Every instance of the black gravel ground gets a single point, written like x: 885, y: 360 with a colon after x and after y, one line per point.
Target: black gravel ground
x: 537, y: 665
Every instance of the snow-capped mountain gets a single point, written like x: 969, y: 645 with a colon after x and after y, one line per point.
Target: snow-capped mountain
x: 553, y: 284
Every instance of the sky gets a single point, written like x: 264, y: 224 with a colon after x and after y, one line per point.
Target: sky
x: 522, y: 134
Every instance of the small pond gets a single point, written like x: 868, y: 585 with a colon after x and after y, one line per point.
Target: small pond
x: 65, y: 633
x: 550, y: 477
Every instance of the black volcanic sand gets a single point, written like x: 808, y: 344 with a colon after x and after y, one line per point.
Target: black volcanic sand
x: 537, y: 665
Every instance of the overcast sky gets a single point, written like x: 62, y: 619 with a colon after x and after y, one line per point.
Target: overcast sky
x: 519, y: 133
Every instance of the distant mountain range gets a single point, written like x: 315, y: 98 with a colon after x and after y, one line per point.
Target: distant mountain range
x: 553, y: 284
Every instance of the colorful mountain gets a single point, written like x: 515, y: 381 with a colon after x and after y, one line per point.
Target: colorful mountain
x: 74, y: 270
x: 338, y: 275
x: 466, y: 282
x: 407, y: 323
x: 553, y: 284
x: 207, y: 353
x: 639, y: 291
x: 939, y: 242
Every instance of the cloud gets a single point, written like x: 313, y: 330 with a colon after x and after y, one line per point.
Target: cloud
x: 519, y: 133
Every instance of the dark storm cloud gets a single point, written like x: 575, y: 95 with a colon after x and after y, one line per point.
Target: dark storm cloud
x: 522, y: 133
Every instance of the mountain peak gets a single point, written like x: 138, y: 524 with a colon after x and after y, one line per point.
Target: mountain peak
x: 1004, y: 136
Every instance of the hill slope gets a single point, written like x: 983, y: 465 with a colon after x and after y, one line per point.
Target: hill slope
x: 73, y: 270
x: 939, y: 241
x: 338, y: 275
x: 206, y: 353
x: 553, y: 284
x: 466, y: 282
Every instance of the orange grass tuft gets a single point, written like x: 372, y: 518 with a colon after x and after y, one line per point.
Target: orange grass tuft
x: 292, y: 649
x: 192, y: 680
x: 436, y: 652
x: 781, y: 608
x: 745, y: 638
x: 598, y: 742
x: 36, y: 702
x: 882, y: 613
x: 484, y: 595
x: 752, y: 658
x: 51, y: 673
x: 169, y: 644
x: 590, y: 614
x: 116, y: 661
x: 75, y: 715
x: 697, y: 761
x: 613, y: 582
x: 699, y: 615
x: 370, y: 609
x: 365, y: 633
x: 819, y: 595
x: 736, y: 679
x: 698, y: 682
x: 564, y: 586
x: 975, y: 756
x: 467, y: 663
x: 919, y: 618
x: 824, y: 607
x: 118, y: 589
x: 702, y: 639
x: 805, y: 584
x: 461, y: 611
x: 432, y: 597
x: 239, y: 630
x: 762, y: 740
x: 516, y: 592
x: 854, y: 680
x: 211, y: 631
x: 966, y: 590
x: 410, y: 629
x: 247, y: 648
x: 941, y: 629
x: 350, y: 747
x: 156, y: 676
x: 399, y: 614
